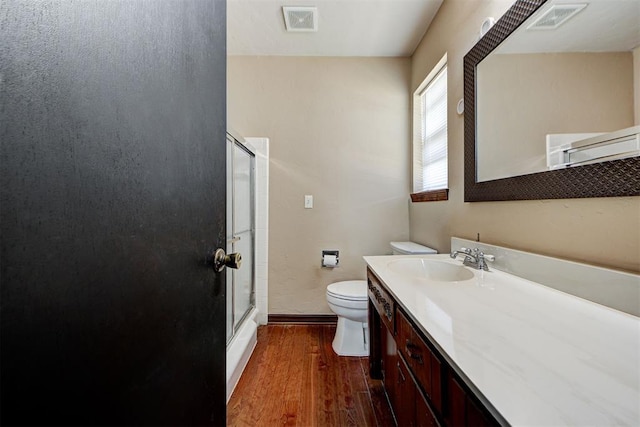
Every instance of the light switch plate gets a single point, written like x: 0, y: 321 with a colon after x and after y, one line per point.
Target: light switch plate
x: 308, y: 201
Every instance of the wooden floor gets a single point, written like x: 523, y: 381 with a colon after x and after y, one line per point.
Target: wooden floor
x: 294, y: 378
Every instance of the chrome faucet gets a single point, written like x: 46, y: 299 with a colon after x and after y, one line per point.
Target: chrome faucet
x: 474, y: 258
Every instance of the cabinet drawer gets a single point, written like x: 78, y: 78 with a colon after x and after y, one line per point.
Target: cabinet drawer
x: 424, y: 365
x: 414, y: 351
x: 382, y: 301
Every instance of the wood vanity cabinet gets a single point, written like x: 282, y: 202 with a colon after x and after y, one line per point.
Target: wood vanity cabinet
x: 422, y: 388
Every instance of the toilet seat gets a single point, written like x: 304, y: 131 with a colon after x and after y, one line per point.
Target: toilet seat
x: 350, y: 290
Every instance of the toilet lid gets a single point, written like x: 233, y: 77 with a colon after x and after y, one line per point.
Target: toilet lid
x: 412, y: 248
x: 355, y: 290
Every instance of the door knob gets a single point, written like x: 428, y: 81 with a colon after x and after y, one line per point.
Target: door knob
x: 222, y: 260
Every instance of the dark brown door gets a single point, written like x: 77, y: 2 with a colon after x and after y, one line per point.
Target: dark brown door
x: 112, y: 129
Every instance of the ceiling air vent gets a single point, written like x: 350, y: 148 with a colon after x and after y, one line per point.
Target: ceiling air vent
x: 299, y: 18
x: 555, y: 16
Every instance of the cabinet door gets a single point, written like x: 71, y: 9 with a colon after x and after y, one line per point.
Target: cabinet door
x: 424, y: 416
x: 455, y: 404
x: 436, y: 383
x: 405, y: 402
x: 462, y: 408
x: 475, y: 416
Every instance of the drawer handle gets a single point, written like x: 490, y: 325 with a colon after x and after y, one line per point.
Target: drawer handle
x: 414, y: 352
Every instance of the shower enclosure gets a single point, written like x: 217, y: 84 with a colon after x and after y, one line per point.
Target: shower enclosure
x: 248, y: 234
x: 240, y: 233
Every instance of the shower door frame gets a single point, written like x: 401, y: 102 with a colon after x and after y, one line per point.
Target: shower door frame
x: 234, y: 143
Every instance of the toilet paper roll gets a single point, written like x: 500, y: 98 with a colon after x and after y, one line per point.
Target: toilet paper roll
x: 329, y: 261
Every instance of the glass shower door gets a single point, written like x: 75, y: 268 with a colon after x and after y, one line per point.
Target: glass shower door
x: 240, y: 233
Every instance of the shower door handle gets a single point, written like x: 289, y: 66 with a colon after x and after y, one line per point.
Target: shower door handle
x: 222, y: 260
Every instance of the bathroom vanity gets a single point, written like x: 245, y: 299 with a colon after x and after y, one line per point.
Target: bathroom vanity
x: 456, y: 346
x: 416, y: 376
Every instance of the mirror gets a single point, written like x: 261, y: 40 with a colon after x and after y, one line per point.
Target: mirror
x: 526, y: 89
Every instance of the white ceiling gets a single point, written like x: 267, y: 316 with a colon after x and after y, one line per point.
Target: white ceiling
x: 602, y: 26
x: 345, y: 27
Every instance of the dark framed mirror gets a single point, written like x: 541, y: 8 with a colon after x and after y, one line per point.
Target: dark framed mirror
x: 606, y: 178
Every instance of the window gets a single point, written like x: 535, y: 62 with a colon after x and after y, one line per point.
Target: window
x: 430, y: 171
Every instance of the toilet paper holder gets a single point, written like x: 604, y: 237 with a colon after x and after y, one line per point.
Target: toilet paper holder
x: 330, y: 259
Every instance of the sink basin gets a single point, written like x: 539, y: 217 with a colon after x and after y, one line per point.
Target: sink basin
x: 439, y: 271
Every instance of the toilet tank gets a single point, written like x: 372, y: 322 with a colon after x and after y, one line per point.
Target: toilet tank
x: 410, y: 248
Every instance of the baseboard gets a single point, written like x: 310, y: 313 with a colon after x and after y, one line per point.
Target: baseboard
x: 303, y: 319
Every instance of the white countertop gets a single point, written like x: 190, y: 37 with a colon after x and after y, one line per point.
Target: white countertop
x: 539, y: 356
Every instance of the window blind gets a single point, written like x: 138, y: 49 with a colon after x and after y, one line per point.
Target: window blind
x: 433, y: 138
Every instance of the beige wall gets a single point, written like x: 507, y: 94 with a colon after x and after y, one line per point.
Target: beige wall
x: 338, y: 130
x: 636, y: 84
x: 599, y: 231
x: 523, y: 97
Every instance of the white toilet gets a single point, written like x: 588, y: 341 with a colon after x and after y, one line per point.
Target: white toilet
x: 348, y: 300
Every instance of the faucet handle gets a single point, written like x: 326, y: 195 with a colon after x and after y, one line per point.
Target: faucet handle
x: 482, y: 261
x: 489, y: 258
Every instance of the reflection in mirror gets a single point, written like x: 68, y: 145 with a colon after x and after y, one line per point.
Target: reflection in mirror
x: 607, y: 177
x: 560, y: 81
